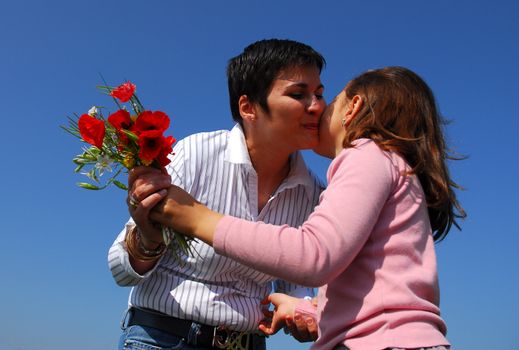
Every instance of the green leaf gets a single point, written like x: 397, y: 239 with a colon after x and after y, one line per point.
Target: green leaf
x: 83, y: 159
x: 131, y: 135
x: 78, y: 168
x: 120, y: 185
x: 88, y: 186
x: 93, y: 151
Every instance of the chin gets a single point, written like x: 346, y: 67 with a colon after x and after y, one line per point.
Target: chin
x: 324, y: 153
x: 310, y: 144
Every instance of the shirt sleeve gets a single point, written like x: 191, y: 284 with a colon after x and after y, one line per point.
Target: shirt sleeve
x: 118, y: 259
x: 360, y: 181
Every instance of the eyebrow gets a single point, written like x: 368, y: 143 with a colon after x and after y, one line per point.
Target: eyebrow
x: 305, y: 85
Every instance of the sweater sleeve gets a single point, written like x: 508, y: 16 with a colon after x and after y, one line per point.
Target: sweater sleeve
x: 360, y: 181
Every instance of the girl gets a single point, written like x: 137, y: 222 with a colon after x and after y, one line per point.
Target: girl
x: 370, y: 241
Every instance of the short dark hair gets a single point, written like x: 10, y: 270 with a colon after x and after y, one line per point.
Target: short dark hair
x: 252, y: 72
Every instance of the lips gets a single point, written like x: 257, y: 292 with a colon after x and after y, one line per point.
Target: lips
x: 311, y: 126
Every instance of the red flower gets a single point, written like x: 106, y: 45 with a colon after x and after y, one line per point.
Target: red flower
x: 148, y: 120
x: 92, y: 130
x: 123, y: 92
x: 120, y: 120
x: 167, y: 149
x: 151, y: 143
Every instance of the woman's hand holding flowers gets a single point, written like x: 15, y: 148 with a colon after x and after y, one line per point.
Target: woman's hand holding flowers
x: 147, y: 186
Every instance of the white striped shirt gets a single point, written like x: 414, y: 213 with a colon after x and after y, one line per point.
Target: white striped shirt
x: 208, y: 288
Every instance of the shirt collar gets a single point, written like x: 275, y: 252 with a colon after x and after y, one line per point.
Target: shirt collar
x: 299, y: 174
x: 237, y: 147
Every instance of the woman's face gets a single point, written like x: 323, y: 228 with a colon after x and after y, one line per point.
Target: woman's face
x: 295, y: 105
x: 331, y: 129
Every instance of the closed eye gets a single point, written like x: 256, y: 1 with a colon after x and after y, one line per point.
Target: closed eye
x: 297, y: 96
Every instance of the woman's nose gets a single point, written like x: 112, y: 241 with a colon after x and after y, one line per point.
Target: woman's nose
x: 316, y: 105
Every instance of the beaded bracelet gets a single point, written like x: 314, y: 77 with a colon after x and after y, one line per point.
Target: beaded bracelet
x: 155, y: 252
x: 140, y: 252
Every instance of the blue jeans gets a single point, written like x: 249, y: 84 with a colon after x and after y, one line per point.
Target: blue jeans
x: 145, y: 338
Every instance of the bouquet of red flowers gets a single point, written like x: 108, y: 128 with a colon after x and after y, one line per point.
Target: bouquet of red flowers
x: 122, y: 141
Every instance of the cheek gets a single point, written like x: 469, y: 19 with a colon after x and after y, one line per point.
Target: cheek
x: 322, y: 106
x: 324, y: 127
x: 336, y: 127
x: 288, y: 113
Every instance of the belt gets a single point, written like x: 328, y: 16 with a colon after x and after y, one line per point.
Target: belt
x: 192, y: 332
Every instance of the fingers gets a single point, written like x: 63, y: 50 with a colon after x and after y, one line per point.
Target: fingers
x: 311, y: 326
x: 139, y: 171
x: 148, y: 183
x: 147, y: 203
x: 143, y: 183
x: 275, y: 298
x: 267, y: 313
x: 147, y: 186
x: 265, y: 329
x: 295, y: 328
x: 140, y: 213
x: 178, y: 204
x: 302, y: 328
x: 273, y: 321
x: 278, y: 322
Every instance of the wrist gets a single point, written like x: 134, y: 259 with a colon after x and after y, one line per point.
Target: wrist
x: 137, y: 250
x: 146, y: 242
x: 204, y: 229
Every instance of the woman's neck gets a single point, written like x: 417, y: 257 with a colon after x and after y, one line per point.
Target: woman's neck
x: 271, y: 169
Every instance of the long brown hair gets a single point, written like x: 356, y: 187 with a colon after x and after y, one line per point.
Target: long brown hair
x: 400, y: 114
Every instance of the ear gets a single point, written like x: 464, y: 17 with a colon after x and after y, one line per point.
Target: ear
x: 246, y: 108
x: 354, y: 107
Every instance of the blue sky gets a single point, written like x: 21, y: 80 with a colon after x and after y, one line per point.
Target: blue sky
x: 57, y: 292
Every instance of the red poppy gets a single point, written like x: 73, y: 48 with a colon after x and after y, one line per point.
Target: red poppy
x: 124, y: 91
x: 120, y: 120
x: 151, y: 143
x: 149, y: 120
x: 92, y: 130
x: 167, y: 149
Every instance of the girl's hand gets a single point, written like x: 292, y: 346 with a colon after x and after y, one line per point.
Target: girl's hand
x: 302, y: 328
x: 180, y: 211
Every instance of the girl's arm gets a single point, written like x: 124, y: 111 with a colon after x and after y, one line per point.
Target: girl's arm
x: 360, y: 182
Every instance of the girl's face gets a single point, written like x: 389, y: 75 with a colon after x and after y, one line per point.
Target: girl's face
x: 295, y: 106
x: 331, y: 128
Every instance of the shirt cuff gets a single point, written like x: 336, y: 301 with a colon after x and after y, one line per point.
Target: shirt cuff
x: 126, y: 258
x: 305, y: 307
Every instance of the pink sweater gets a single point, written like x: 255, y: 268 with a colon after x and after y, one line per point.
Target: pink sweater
x: 368, y: 243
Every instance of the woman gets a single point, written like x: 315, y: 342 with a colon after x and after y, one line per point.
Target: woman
x: 370, y: 241
x: 202, y: 300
